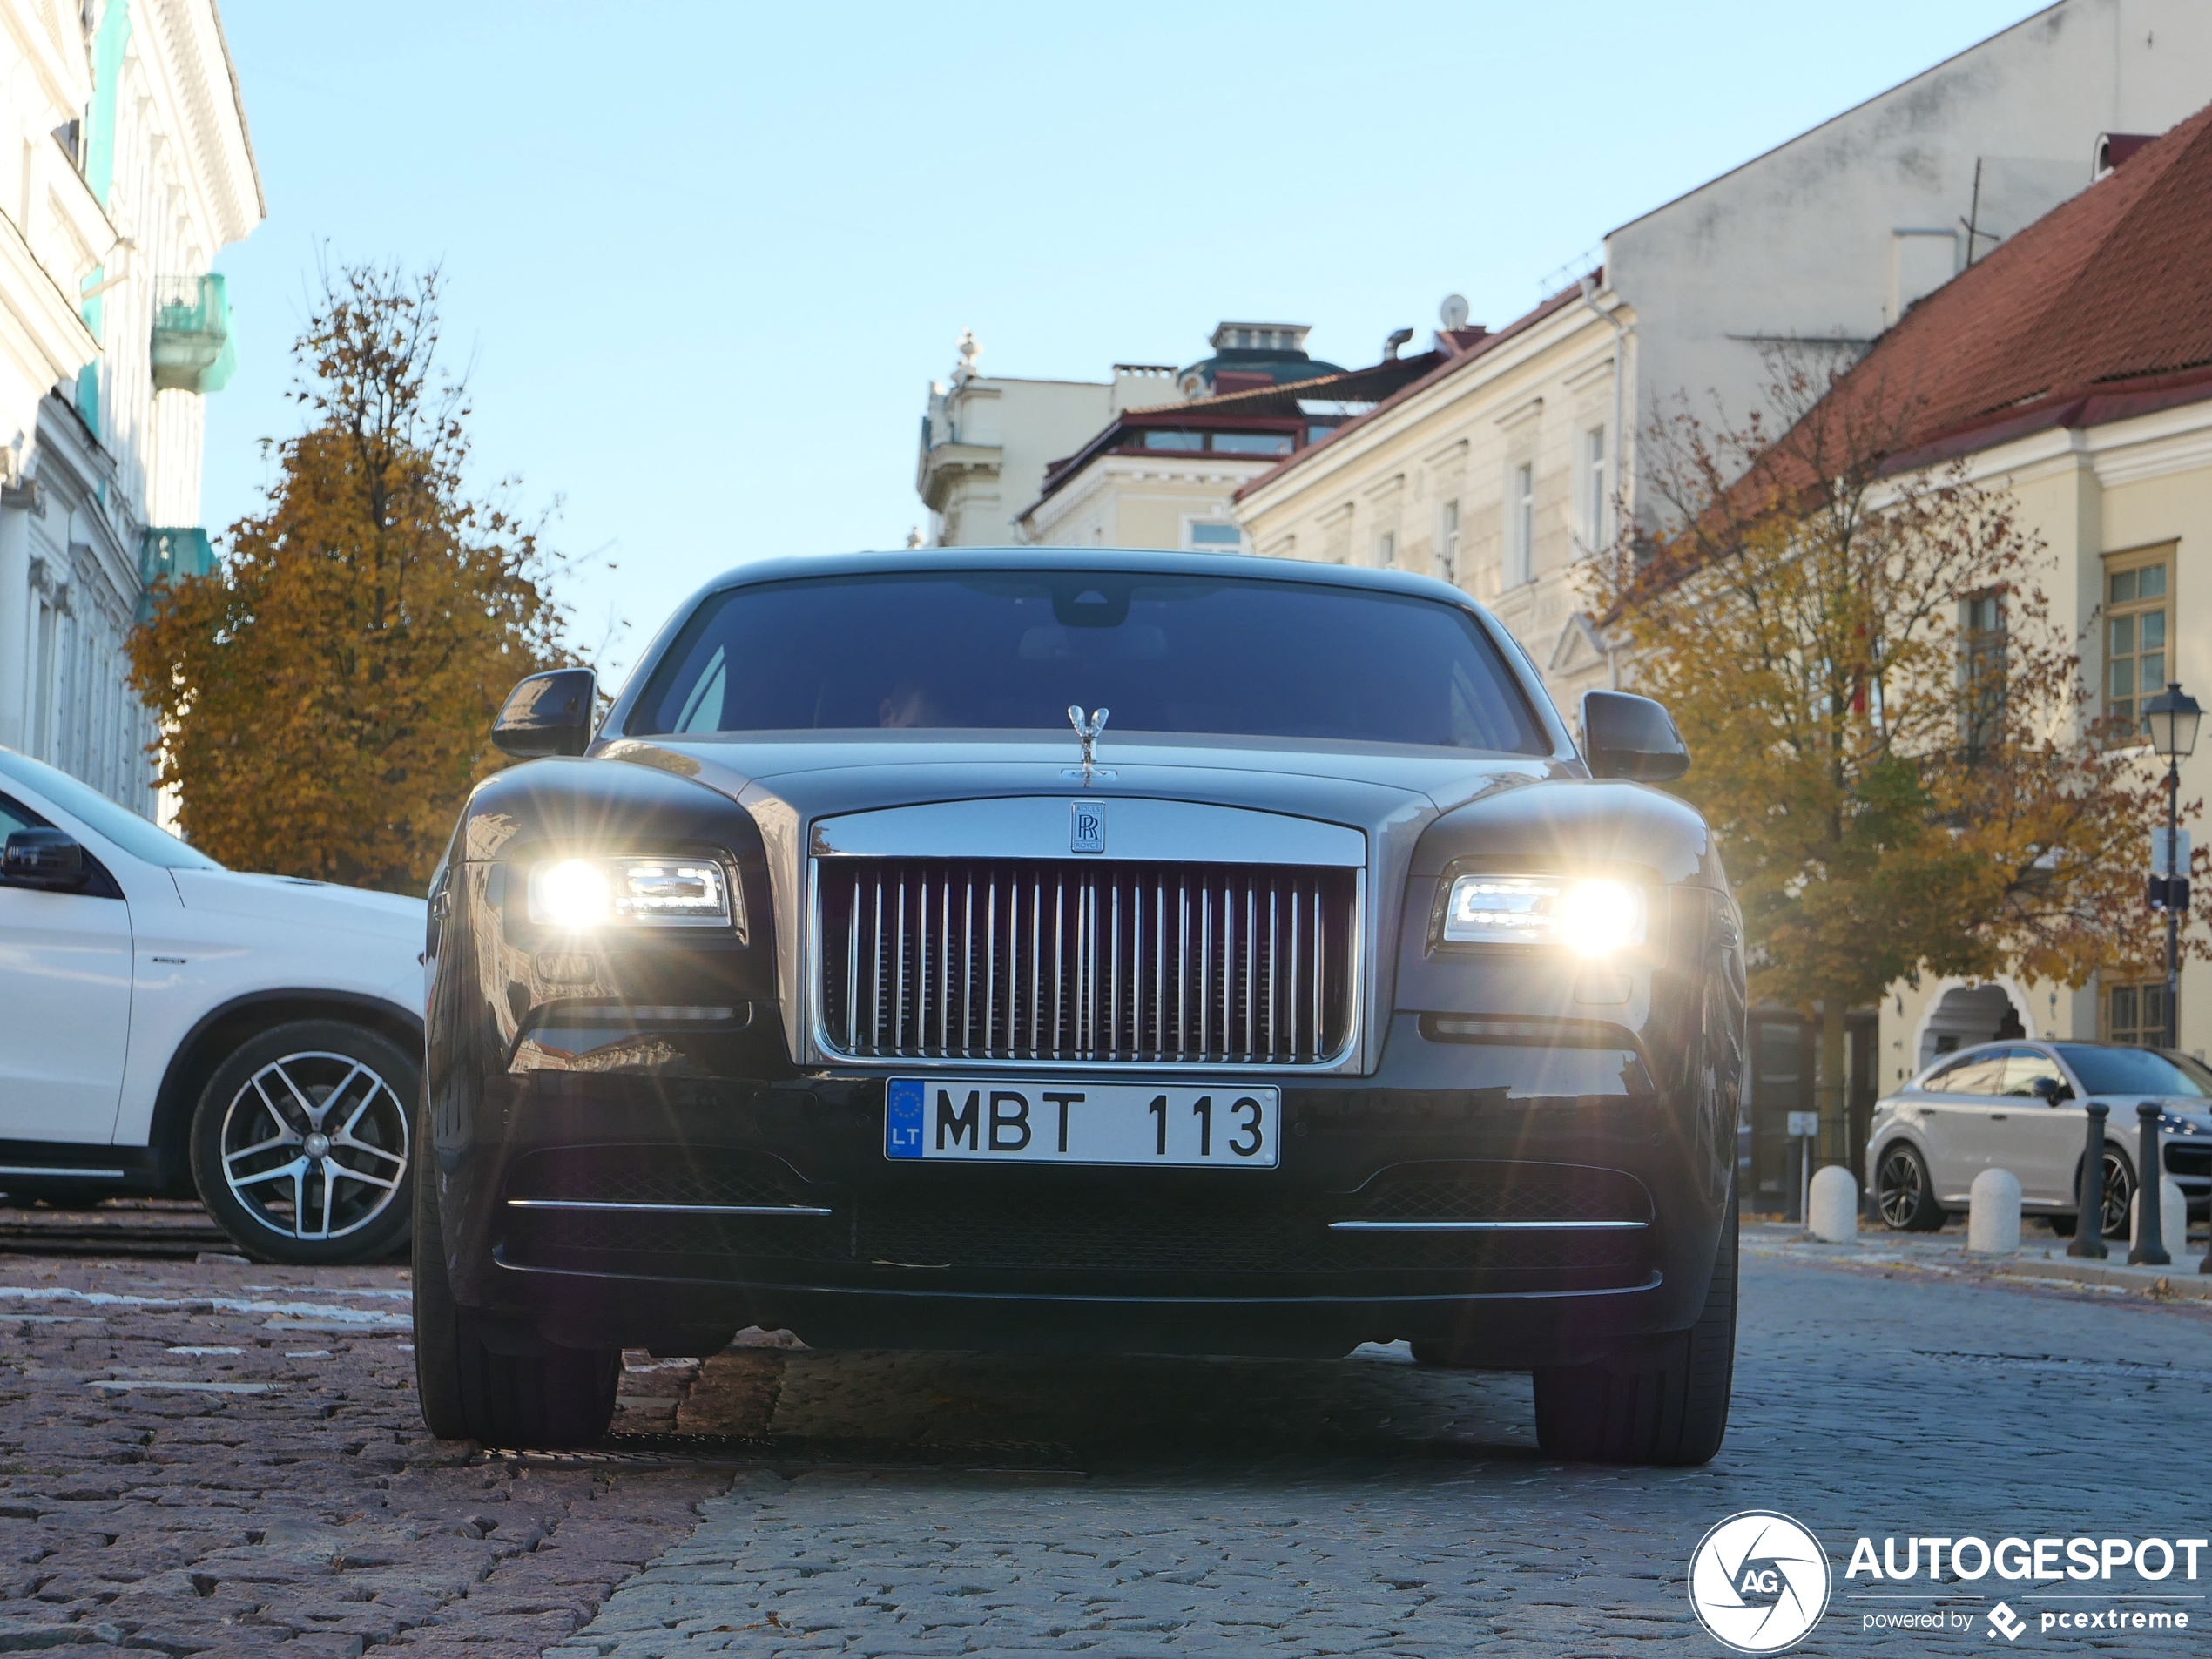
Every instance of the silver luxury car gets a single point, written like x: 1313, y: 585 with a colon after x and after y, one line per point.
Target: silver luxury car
x: 2023, y: 1107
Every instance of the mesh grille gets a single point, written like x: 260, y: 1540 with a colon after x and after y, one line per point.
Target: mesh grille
x: 1057, y: 960
x: 656, y: 1174
x: 535, y: 1236
x: 2194, y: 1161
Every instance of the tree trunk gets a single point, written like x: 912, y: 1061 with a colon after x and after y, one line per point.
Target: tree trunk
x: 1832, y: 1088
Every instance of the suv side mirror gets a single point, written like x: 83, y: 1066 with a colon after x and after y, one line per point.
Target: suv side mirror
x: 1632, y: 738
x: 2050, y: 1090
x: 548, y: 714
x: 48, y: 860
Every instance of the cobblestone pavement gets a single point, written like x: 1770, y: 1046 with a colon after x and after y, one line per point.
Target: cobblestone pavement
x: 1364, y: 1507
x: 227, y: 1458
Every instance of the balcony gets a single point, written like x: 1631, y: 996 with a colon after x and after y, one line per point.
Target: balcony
x: 171, y: 556
x: 193, y: 349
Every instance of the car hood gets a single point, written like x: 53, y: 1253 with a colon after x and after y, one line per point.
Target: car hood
x: 295, y: 902
x: 789, y: 782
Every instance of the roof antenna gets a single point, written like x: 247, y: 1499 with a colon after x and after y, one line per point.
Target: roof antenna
x: 1973, y: 216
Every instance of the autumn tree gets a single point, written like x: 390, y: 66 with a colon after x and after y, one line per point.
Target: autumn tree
x: 324, y: 694
x: 1892, y: 738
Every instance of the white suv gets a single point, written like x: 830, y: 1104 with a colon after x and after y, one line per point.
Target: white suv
x: 166, y: 1022
x: 2021, y: 1106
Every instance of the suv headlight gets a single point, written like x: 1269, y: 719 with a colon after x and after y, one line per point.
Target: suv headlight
x: 1592, y: 916
x: 579, y: 895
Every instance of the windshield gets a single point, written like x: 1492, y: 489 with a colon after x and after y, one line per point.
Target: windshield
x: 135, y: 835
x: 1012, y: 650
x: 2128, y: 1071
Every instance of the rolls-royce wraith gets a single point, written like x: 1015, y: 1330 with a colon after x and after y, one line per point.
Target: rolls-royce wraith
x: 1105, y: 950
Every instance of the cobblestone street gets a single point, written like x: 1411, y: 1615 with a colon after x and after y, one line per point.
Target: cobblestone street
x: 226, y: 1458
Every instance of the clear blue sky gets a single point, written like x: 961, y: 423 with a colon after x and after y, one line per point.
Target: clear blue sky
x: 706, y: 260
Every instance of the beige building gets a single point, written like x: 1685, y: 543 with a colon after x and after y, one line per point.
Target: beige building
x: 1165, y: 476
x: 2074, y: 366
x: 1508, y: 467
x: 985, y: 441
x: 1494, y: 470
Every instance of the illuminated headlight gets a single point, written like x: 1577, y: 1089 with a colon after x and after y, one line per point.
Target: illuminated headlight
x: 1589, y: 916
x: 577, y: 894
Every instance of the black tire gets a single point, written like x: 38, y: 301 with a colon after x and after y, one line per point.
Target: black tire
x: 1904, y: 1192
x: 564, y: 1397
x: 295, y: 1080
x: 1668, y: 1405
x: 2120, y: 1193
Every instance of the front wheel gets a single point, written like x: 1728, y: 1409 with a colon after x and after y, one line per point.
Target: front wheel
x: 2118, y: 1198
x: 300, y: 1143
x: 1669, y: 1406
x: 1904, y: 1193
x: 471, y: 1390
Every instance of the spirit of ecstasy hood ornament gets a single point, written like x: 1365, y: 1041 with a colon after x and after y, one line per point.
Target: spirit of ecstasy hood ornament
x: 1087, y: 731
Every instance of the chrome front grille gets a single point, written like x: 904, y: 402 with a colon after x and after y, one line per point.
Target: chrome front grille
x: 1060, y: 959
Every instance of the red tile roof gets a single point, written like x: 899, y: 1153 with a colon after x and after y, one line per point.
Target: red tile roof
x: 2100, y: 308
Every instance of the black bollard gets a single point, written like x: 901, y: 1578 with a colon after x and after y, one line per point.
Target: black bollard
x: 2150, y: 1237
x: 2090, y: 1225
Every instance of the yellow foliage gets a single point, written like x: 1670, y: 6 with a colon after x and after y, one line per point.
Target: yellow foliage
x: 1900, y: 783
x: 328, y: 693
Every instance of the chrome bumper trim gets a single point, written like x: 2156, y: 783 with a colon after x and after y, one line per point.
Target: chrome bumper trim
x: 671, y: 1209
x: 1484, y: 1226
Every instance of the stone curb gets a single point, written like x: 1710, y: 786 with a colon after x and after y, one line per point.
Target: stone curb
x: 2181, y: 1279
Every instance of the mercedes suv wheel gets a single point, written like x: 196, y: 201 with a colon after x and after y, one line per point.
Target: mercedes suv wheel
x: 300, y: 1143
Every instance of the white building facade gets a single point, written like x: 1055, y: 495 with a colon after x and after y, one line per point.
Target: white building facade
x: 133, y: 169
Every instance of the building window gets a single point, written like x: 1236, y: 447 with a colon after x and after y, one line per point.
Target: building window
x: 1158, y: 439
x: 1386, y: 549
x: 2137, y: 601
x: 1213, y: 535
x: 1447, y: 542
x: 1597, y: 490
x: 1252, y: 443
x: 1981, y: 672
x: 2135, y: 1014
x: 1521, y: 507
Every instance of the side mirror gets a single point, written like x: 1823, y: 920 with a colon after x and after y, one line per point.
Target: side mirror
x: 49, y: 860
x: 2050, y: 1090
x: 548, y: 714
x: 1631, y: 736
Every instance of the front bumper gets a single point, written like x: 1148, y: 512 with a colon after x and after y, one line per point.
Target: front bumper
x: 660, y: 1210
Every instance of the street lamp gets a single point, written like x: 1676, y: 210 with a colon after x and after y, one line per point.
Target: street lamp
x: 2170, y: 721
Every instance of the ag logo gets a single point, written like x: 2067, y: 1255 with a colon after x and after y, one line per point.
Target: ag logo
x: 1759, y: 1581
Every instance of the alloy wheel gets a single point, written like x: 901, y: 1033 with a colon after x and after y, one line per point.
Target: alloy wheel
x: 315, y: 1146
x: 2120, y: 1193
x: 1899, y: 1190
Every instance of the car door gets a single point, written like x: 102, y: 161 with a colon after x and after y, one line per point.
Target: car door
x: 65, y: 987
x: 1954, y: 1119
x: 2038, y: 1140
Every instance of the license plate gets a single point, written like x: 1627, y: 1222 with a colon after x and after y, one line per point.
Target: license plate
x: 1009, y: 1121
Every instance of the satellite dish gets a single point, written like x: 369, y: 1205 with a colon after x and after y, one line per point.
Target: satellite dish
x: 1453, y: 312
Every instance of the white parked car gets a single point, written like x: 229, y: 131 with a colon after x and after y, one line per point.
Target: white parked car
x: 2022, y: 1107
x: 166, y: 1024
